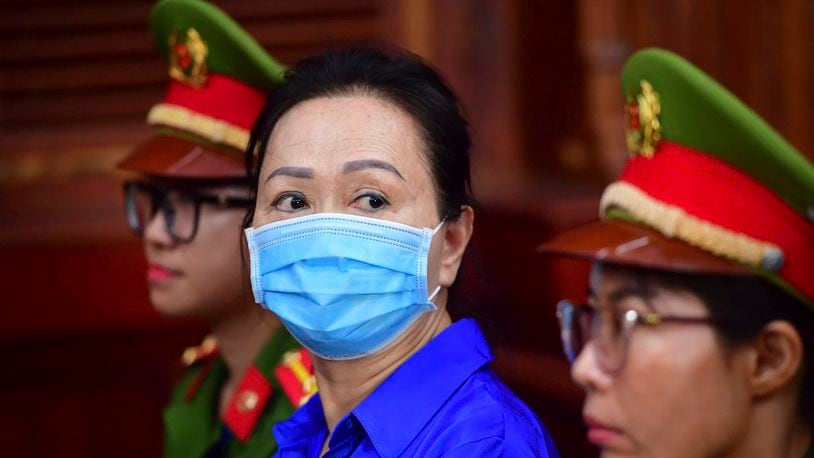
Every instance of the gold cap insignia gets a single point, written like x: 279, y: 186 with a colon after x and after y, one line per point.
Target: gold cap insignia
x: 188, y: 58
x: 643, y: 127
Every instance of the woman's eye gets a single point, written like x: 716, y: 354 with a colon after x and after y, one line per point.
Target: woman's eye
x: 370, y: 202
x: 290, y: 202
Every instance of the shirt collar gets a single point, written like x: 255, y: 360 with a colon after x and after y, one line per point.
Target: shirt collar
x: 306, y: 428
x: 421, y: 386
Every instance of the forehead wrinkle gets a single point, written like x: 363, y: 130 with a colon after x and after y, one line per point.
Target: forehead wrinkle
x: 375, y: 146
x: 398, y: 151
x: 274, y: 146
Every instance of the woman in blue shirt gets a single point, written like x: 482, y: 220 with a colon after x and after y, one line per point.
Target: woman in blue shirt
x: 361, y: 219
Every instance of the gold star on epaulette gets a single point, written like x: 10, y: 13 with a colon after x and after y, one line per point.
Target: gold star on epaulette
x: 207, y: 348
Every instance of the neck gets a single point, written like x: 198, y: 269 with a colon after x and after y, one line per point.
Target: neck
x: 241, y: 335
x: 775, y: 429
x: 344, y: 384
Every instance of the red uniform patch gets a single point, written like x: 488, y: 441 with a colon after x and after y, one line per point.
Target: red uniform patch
x: 247, y: 403
x: 678, y: 175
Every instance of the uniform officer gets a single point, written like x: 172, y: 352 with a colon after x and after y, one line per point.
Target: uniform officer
x: 696, y: 339
x: 189, y: 203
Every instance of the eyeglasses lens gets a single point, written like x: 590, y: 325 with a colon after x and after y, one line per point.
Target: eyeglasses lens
x: 178, y: 210
x: 610, y: 336
x: 575, y: 328
x: 580, y: 324
x: 140, y: 208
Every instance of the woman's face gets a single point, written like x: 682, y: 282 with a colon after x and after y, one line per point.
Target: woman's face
x: 353, y: 154
x: 202, y: 278
x: 679, y: 394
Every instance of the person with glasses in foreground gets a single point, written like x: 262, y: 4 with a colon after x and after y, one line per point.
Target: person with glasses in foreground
x: 189, y: 204
x: 697, y: 337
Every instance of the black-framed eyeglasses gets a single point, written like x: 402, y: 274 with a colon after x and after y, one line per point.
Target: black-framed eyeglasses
x: 608, y: 332
x: 180, y: 207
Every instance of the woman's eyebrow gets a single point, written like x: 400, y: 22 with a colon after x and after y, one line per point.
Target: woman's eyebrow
x: 624, y: 292
x: 296, y: 172
x: 353, y: 166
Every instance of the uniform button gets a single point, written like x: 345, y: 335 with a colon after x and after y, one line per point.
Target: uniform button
x: 247, y: 401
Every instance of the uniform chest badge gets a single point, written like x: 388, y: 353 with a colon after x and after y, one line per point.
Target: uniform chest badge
x: 643, y: 130
x: 188, y: 54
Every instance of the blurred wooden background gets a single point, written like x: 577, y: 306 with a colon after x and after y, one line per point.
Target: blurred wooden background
x: 87, y: 363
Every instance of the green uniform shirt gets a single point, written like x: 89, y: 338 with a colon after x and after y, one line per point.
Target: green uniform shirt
x: 194, y: 427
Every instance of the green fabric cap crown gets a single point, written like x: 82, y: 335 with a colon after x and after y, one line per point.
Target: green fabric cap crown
x: 231, y: 51
x: 699, y: 113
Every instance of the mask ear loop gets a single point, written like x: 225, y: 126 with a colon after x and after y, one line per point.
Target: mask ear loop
x: 444, y: 221
x: 437, y: 288
x: 434, y: 294
x: 439, y: 226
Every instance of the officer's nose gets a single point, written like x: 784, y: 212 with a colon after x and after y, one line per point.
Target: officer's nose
x: 155, y: 231
x: 587, y: 372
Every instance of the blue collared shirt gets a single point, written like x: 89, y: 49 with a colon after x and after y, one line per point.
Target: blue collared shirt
x: 443, y: 401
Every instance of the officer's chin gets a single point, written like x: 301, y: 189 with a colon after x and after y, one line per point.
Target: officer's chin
x: 171, y: 303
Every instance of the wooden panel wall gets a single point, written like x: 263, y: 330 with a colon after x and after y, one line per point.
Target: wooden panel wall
x: 760, y: 50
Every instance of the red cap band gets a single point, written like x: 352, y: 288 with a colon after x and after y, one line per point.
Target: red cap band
x: 222, y: 98
x: 712, y: 190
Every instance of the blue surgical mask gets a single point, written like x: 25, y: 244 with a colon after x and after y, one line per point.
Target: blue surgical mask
x: 345, y: 286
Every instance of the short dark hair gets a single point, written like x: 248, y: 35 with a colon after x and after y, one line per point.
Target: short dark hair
x: 397, y: 76
x: 739, y: 307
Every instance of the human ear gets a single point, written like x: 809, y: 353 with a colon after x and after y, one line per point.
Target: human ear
x: 778, y: 353
x: 456, y: 238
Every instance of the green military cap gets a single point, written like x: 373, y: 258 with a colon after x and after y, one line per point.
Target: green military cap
x: 219, y: 78
x: 709, y: 186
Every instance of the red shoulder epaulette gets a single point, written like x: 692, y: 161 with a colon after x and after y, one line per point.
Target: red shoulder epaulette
x: 296, y: 376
